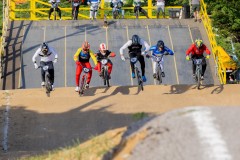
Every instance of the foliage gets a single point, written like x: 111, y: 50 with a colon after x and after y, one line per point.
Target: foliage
x: 226, y: 18
x: 1, y: 18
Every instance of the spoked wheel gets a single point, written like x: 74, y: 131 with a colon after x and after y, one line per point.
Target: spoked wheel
x: 82, y: 86
x: 106, y: 77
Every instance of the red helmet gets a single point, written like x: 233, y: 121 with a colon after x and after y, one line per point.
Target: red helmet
x: 102, y: 48
x: 85, y: 46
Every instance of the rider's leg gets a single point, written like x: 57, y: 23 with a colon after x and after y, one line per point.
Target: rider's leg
x: 135, y: 11
x: 91, y: 12
x: 109, y: 67
x: 78, y: 73
x: 59, y: 13
x: 77, y: 8
x: 95, y: 14
x: 158, y: 11
x: 204, y: 66
x: 42, y: 71
x: 142, y: 62
x: 50, y: 12
x: 143, y: 11
x: 88, y: 65
x: 193, y: 68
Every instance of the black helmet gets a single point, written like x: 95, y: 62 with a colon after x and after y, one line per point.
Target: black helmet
x: 135, y: 39
x: 160, y: 44
x: 44, y: 48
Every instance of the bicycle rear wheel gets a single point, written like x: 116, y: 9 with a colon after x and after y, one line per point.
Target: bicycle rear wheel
x: 55, y: 14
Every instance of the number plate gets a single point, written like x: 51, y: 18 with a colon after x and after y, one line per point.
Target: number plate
x: 45, y: 68
x: 104, y: 61
x: 133, y: 60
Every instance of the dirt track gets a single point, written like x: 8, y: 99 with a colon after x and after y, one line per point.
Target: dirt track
x: 39, y: 123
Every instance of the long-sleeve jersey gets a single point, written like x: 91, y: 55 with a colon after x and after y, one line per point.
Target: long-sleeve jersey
x: 94, y: 1
x: 54, y: 3
x: 108, y: 54
x: 155, y: 50
x: 81, y: 57
x: 129, y: 44
x: 50, y: 56
x: 198, y: 52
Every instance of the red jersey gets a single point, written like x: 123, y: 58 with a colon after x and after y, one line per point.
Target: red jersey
x: 195, y: 51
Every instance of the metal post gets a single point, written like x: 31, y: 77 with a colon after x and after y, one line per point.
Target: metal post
x: 33, y: 7
x: 102, y: 9
x: 149, y: 8
x: 12, y: 9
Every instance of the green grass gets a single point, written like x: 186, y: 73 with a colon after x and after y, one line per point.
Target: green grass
x: 140, y: 115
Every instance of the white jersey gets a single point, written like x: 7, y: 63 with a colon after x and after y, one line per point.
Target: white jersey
x: 129, y: 43
x: 160, y: 2
x: 51, y: 55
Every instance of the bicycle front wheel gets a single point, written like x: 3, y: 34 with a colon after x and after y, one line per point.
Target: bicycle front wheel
x: 82, y: 85
x: 159, y: 75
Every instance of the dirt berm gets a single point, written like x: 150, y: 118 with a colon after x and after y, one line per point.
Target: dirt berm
x: 38, y: 123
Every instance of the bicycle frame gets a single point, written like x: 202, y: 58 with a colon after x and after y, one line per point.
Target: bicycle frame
x: 104, y: 71
x: 158, y: 59
x: 134, y: 60
x: 83, y: 81
x: 48, y: 84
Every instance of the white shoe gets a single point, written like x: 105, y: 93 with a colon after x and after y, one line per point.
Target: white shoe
x: 53, y: 87
x: 77, y: 89
x: 202, y: 78
x: 43, y: 84
x: 87, y: 86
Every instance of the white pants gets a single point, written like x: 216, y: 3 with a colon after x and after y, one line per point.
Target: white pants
x: 93, y: 10
x: 155, y: 64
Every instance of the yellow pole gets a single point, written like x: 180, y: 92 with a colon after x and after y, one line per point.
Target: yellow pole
x: 33, y: 7
x: 12, y: 10
x: 102, y: 9
x: 150, y: 8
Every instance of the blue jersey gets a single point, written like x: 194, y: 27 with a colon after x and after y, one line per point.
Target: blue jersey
x: 155, y: 50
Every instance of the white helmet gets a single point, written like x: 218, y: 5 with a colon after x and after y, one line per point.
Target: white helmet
x: 103, y: 48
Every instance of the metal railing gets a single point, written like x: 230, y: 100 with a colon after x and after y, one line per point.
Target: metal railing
x: 218, y: 52
x: 35, y: 12
x: 4, y: 32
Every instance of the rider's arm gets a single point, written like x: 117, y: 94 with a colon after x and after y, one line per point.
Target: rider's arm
x: 35, y: 55
x: 75, y: 57
x: 189, y: 50
x: 206, y: 49
x: 170, y: 52
x: 54, y: 52
x: 145, y: 44
x: 129, y: 42
x: 112, y: 54
x: 93, y: 57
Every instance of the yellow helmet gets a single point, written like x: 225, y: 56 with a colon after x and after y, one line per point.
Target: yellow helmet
x: 198, y: 43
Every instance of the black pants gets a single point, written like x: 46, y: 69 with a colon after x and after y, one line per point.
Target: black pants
x: 140, y: 10
x: 51, y: 10
x: 140, y: 59
x: 204, y: 64
x: 50, y: 70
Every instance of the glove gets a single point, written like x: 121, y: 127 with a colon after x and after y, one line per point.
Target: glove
x: 143, y: 53
x: 147, y: 55
x: 187, y: 58
x: 55, y: 60
x: 35, y: 66
x: 123, y: 58
x: 166, y: 53
x: 207, y: 57
x: 88, y: 3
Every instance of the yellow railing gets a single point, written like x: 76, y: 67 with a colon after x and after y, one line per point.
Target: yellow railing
x: 218, y: 52
x: 4, y: 31
x: 36, y: 13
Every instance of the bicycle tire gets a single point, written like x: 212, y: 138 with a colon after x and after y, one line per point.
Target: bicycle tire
x: 140, y: 81
x: 198, y: 79
x: 82, y: 85
x: 48, y: 85
x: 159, y: 75
x: 107, y: 77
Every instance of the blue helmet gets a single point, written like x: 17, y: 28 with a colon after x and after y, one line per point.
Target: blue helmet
x: 160, y: 44
x: 135, y: 39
